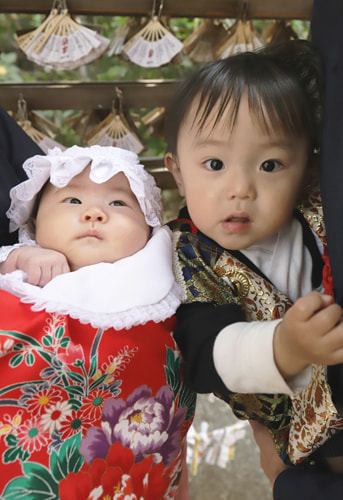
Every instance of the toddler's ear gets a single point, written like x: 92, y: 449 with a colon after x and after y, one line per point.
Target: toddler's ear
x: 172, y: 165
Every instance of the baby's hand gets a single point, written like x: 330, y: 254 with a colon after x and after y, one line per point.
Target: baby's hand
x: 40, y: 264
x: 310, y: 332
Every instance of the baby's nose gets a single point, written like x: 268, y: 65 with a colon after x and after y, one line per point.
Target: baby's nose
x: 94, y: 214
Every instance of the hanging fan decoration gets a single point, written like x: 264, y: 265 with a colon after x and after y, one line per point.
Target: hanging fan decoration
x: 242, y: 37
x: 44, y: 125
x: 61, y: 43
x: 155, y: 121
x: 116, y: 129
x: 123, y: 33
x: 279, y: 31
x: 43, y: 141
x: 200, y: 45
x: 82, y: 123
x: 154, y: 45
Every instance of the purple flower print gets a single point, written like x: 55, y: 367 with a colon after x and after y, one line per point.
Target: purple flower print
x: 145, y: 424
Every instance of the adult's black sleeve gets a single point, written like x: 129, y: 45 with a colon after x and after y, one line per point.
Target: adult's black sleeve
x: 327, y: 36
x: 15, y: 147
x: 294, y: 484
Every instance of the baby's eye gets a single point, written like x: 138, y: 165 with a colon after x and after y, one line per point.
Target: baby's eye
x: 117, y: 203
x: 270, y: 166
x: 75, y: 201
x: 214, y: 164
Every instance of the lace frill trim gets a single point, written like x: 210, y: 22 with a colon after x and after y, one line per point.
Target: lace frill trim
x: 157, y: 312
x: 61, y: 166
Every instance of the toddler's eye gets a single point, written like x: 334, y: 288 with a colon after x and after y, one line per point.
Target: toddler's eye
x: 214, y: 164
x: 117, y: 203
x: 270, y: 166
x: 75, y: 201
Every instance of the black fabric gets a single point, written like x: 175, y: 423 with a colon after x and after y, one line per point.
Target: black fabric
x: 15, y: 147
x: 294, y: 484
x: 327, y: 35
x: 198, y: 325
x: 311, y: 244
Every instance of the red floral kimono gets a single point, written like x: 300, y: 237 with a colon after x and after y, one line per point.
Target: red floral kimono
x: 89, y: 412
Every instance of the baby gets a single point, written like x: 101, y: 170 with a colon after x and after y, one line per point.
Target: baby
x: 93, y: 399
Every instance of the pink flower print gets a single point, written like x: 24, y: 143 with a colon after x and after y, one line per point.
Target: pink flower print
x: 72, y: 354
x: 6, y: 347
x: 54, y: 416
x: 31, y: 436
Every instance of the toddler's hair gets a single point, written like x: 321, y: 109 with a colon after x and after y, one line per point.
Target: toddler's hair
x: 283, y: 84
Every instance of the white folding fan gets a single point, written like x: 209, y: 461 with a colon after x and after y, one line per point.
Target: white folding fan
x: 123, y: 33
x: 154, y: 45
x: 62, y: 43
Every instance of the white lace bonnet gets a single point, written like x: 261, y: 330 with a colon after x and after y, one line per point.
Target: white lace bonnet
x: 62, y: 166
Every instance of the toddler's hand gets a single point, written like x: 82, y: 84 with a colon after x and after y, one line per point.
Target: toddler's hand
x: 310, y: 332
x: 40, y: 264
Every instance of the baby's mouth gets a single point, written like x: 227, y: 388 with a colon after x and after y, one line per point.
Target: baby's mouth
x: 91, y: 234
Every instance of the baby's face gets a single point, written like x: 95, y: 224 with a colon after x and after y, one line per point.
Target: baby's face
x: 91, y: 223
x: 242, y: 184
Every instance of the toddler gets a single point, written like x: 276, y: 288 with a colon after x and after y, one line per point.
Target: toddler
x: 242, y: 141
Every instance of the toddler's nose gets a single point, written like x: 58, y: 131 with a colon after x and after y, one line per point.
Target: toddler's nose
x: 240, y: 186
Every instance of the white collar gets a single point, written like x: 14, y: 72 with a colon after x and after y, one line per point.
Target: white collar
x: 129, y: 292
x: 285, y: 260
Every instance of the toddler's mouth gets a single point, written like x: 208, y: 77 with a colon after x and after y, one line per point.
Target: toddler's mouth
x: 238, y: 219
x: 237, y: 223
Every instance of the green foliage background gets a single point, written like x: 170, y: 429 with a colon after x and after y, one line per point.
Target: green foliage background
x: 15, y: 67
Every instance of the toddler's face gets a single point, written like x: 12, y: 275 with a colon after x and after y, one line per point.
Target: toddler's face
x: 91, y: 223
x: 241, y: 185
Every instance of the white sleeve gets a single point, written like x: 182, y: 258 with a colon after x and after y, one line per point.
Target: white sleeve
x: 6, y: 250
x: 244, y: 359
